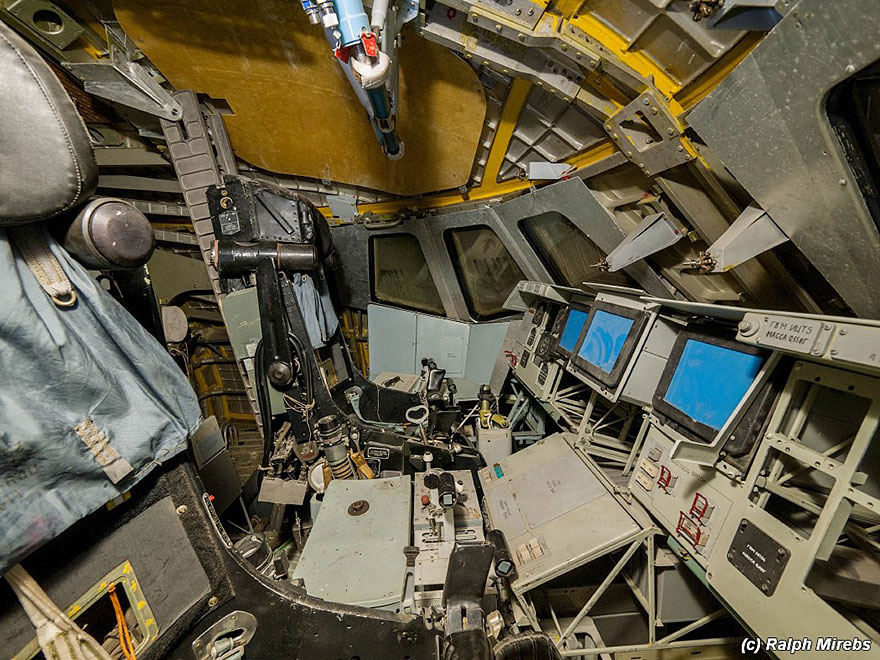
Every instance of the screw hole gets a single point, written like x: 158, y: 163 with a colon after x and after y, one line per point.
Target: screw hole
x: 46, y: 20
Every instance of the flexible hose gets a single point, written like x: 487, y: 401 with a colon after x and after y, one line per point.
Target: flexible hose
x: 342, y: 469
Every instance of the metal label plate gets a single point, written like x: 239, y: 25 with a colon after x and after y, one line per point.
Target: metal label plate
x: 791, y: 334
x: 229, y: 222
x: 757, y: 556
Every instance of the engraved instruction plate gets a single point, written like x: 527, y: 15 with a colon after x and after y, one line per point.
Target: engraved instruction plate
x: 788, y: 333
x: 757, y: 556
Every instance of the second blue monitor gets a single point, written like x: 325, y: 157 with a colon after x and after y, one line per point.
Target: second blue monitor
x: 605, y: 339
x: 572, y: 331
x: 710, y: 381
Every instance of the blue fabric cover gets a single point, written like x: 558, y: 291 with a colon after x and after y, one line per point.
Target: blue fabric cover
x: 60, y: 366
x: 316, y: 307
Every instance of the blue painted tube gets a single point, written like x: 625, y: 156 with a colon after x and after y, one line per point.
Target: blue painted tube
x: 382, y: 113
x: 353, y: 20
x: 379, y: 100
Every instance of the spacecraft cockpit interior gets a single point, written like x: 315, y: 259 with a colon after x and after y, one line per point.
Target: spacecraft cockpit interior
x: 439, y: 329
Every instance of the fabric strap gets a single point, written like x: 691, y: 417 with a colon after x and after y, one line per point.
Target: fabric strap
x: 111, y: 461
x: 31, y: 242
x: 58, y: 636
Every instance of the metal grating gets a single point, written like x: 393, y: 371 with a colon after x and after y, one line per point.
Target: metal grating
x: 549, y: 129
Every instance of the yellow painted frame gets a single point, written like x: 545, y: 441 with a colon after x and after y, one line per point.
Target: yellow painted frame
x: 122, y: 576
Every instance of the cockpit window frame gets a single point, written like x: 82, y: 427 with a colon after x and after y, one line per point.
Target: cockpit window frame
x: 448, y: 239
x: 376, y: 298
x: 550, y: 261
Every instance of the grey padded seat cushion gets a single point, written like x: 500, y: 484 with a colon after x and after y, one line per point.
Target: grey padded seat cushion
x: 46, y: 160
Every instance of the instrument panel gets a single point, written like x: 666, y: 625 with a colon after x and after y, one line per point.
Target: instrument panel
x: 756, y: 449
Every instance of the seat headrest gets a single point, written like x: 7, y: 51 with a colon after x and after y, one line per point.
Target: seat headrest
x: 46, y: 160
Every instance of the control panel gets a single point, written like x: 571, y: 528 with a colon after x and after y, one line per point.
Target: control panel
x: 530, y: 357
x: 446, y: 511
x: 753, y: 442
x: 682, y: 496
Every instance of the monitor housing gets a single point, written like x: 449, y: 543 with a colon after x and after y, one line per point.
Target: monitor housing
x: 628, y: 325
x: 562, y: 333
x: 714, y: 393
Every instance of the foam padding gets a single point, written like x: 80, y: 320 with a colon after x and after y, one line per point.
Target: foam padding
x: 295, y: 112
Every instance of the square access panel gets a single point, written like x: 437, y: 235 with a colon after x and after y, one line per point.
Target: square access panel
x: 555, y: 513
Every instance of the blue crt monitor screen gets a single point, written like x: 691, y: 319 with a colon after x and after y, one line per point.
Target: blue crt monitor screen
x: 710, y: 381
x: 604, y: 339
x: 572, y: 331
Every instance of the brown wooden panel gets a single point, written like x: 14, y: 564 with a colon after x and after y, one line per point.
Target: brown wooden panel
x: 295, y: 112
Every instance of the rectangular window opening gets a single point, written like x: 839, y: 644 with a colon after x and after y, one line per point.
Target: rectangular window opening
x: 485, y: 268
x: 568, y: 253
x: 400, y: 275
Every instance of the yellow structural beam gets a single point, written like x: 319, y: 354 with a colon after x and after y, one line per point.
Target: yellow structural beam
x: 568, y: 8
x: 680, y: 100
x: 479, y: 193
x: 709, y: 79
x: 516, y: 101
x: 617, y: 44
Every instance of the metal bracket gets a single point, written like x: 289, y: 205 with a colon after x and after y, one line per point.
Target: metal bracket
x: 649, y: 134
x: 543, y: 170
x: 124, y: 80
x: 654, y: 233
x: 47, y: 20
x: 226, y: 639
x: 760, y: 15
x: 343, y: 206
x: 752, y: 233
x: 522, y: 12
x: 353, y: 394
